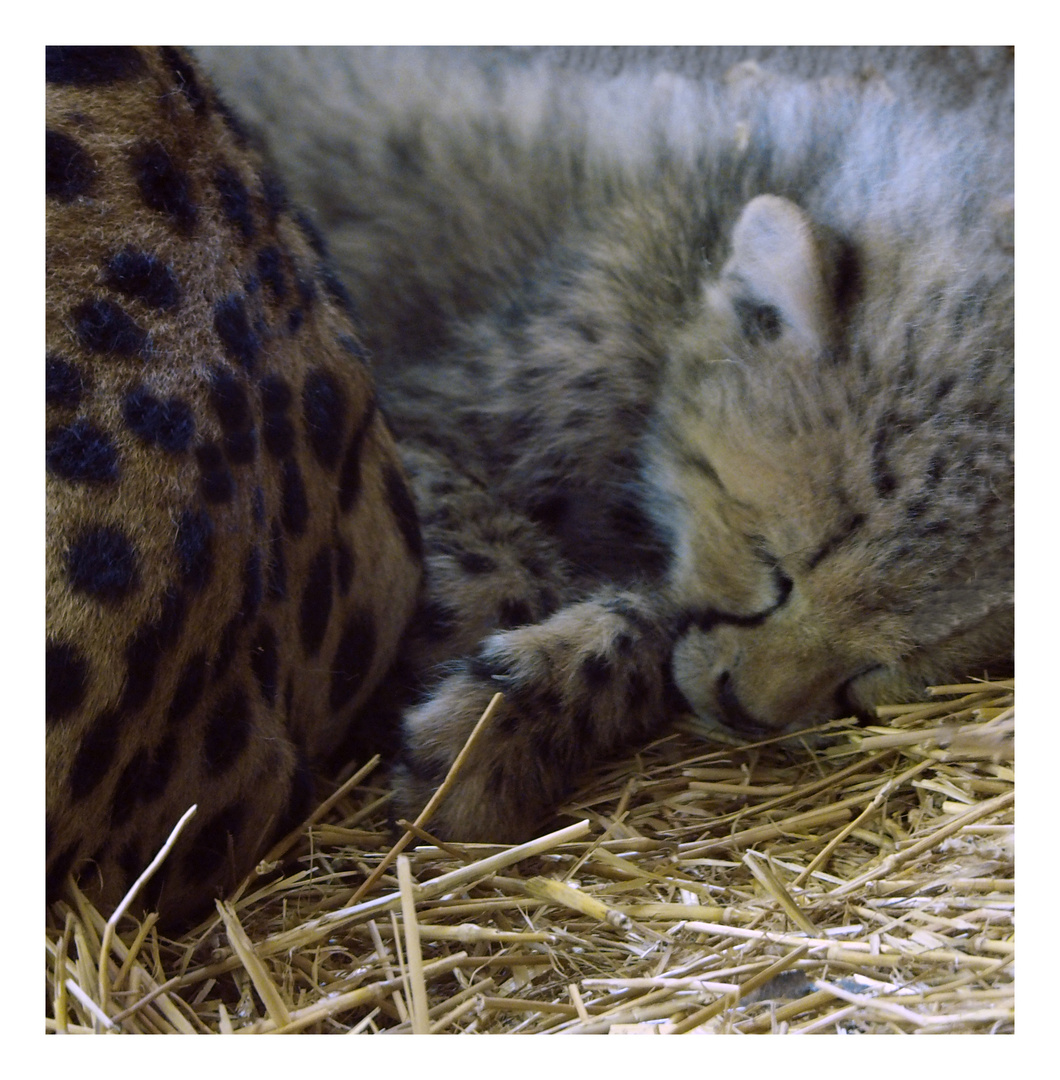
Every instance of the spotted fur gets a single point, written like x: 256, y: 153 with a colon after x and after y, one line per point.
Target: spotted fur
x: 232, y: 554
x: 702, y: 375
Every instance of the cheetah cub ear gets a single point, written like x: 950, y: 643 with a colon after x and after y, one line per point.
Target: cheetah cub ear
x: 774, y: 282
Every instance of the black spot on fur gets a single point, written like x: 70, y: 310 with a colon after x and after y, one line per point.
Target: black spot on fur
x: 232, y: 405
x: 184, y: 73
x: 227, y: 732
x: 94, y: 756
x: 66, y: 675
x: 758, y: 322
x: 230, y: 400
x: 344, y: 567
x: 435, y: 621
x: 276, y: 579
x: 513, y: 613
x: 315, y: 607
x: 629, y: 522
x: 404, y: 510
x: 352, y: 660
x: 215, y: 481
x: 143, y: 780
x: 337, y: 291
x: 146, y: 649
x: 597, y: 671
x: 194, y: 544
x: 168, y: 424
x: 883, y: 479
x: 80, y: 451
x: 942, y: 388
x: 350, y: 473
x: 103, y: 327
x: 270, y: 270
x: 64, y: 382
x: 549, y: 511
x: 128, y: 859
x: 68, y: 170
x: 143, y: 277
x: 306, y: 288
x: 58, y: 868
x: 474, y: 562
x: 310, y: 232
x: 90, y: 65
x: 226, y: 650
x: 215, y: 842
x: 189, y: 689
x: 164, y: 186
x: 252, y: 585
x: 276, y: 200
x: 264, y: 661
x: 230, y: 321
x: 589, y: 382
x: 102, y: 563
x: 235, y: 200
x: 232, y: 122
x: 324, y: 411
x: 938, y: 466
x: 277, y: 429
x: 294, y: 504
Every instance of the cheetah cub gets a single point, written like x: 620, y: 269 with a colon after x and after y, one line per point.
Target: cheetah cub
x: 704, y: 387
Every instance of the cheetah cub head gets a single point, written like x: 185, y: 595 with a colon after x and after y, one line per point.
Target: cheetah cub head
x: 836, y: 478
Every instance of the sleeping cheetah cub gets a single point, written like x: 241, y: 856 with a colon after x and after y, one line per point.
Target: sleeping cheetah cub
x: 704, y: 385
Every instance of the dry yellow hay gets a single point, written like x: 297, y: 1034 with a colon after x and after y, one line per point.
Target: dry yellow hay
x: 861, y: 883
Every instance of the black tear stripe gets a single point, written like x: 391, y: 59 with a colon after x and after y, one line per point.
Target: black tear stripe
x: 706, y: 619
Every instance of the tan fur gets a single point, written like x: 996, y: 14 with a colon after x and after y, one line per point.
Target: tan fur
x: 736, y: 352
x: 107, y: 833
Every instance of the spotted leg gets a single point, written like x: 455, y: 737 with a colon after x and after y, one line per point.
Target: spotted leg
x: 580, y: 687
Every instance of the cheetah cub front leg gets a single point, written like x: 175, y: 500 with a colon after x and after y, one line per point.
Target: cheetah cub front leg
x: 580, y: 687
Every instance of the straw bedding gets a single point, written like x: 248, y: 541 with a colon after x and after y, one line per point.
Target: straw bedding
x: 858, y: 881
